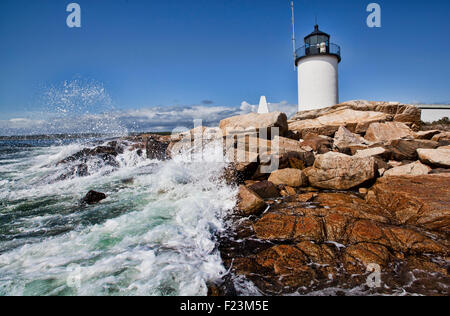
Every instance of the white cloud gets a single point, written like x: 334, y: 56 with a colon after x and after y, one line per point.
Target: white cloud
x: 134, y: 120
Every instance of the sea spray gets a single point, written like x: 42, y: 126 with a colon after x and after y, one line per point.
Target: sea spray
x: 155, y: 236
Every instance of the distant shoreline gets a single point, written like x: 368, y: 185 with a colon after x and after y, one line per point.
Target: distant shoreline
x: 72, y: 136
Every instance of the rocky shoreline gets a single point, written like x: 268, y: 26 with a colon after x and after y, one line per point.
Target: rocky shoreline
x: 357, y: 187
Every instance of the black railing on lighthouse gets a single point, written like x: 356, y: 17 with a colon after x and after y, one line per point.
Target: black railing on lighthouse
x: 318, y: 49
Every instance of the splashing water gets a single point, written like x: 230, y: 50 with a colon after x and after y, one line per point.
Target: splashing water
x: 71, y: 107
x: 152, y: 236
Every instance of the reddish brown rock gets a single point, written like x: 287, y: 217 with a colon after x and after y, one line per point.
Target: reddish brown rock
x: 358, y: 257
x: 335, y: 226
x: 305, y: 197
x: 316, y: 253
x: 351, y: 206
x: 275, y: 227
x: 422, y: 201
x: 396, y: 238
x: 288, y: 191
x: 308, y: 228
x: 289, y: 265
x: 283, y: 259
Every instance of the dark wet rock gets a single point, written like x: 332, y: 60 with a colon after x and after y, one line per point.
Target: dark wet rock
x: 93, y: 197
x: 265, y: 189
x: 426, y: 134
x: 128, y: 181
x: 81, y: 170
x: 104, y: 152
x: 156, y: 147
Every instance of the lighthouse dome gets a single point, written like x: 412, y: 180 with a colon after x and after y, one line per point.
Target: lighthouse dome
x: 317, y: 43
x: 317, y: 37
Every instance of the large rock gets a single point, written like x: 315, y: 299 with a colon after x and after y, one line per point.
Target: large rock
x: 286, y: 145
x: 415, y: 200
x: 340, y: 172
x: 249, y: 203
x: 107, y: 154
x: 435, y: 157
x: 288, y: 160
x: 347, y: 142
x: 290, y: 177
x: 442, y: 137
x: 426, y: 134
x: 412, y: 169
x: 393, y: 237
x: 406, y: 149
x: 397, y: 110
x: 328, y: 123
x: 381, y: 132
x: 371, y: 152
x: 254, y: 122
x: 319, y: 143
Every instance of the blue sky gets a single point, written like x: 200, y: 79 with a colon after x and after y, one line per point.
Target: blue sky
x: 215, y: 53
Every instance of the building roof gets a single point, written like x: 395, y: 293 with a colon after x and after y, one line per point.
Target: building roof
x: 316, y: 32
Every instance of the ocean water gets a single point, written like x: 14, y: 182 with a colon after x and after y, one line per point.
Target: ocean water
x: 155, y: 234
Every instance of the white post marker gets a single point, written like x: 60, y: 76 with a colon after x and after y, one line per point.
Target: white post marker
x: 263, y: 107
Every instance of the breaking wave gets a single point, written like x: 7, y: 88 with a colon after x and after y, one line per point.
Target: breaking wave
x: 153, y: 235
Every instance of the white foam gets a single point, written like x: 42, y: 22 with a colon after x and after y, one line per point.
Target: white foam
x: 163, y: 246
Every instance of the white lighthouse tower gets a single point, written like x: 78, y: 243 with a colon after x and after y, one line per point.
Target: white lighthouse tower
x: 317, y: 66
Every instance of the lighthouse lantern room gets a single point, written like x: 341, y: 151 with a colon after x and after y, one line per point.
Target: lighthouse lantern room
x: 317, y: 66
